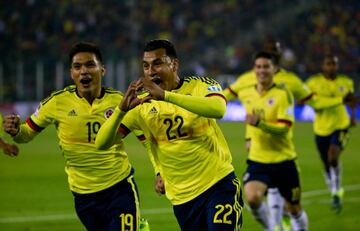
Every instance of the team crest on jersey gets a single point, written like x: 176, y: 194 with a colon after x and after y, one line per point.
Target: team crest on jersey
x: 108, y: 112
x: 271, y: 101
x: 213, y: 88
x: 341, y: 88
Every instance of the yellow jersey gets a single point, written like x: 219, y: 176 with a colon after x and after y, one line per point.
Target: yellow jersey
x: 77, y: 123
x: 334, y: 118
x: 190, y: 150
x: 275, y: 105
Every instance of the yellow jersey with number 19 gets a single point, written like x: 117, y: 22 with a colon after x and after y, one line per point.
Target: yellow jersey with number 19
x: 77, y: 122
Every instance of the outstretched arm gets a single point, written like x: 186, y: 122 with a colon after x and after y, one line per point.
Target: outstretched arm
x: 21, y: 133
x: 212, y: 106
x: 319, y: 102
x: 107, y: 133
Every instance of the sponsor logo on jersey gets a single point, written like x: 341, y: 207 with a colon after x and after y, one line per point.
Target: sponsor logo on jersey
x: 214, y: 88
x: 153, y: 110
x: 72, y: 113
x: 108, y: 112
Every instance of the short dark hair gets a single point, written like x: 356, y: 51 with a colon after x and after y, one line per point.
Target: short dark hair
x: 330, y: 55
x: 84, y: 47
x: 162, y: 43
x: 266, y: 55
x: 273, y: 46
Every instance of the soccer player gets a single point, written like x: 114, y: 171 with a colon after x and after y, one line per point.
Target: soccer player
x: 331, y: 125
x: 191, y: 153
x: 9, y: 149
x: 102, y: 182
x: 301, y: 93
x: 271, y: 160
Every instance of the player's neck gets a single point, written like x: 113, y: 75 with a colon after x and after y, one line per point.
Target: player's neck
x: 276, y: 69
x: 331, y: 76
x: 264, y: 87
x: 91, y: 95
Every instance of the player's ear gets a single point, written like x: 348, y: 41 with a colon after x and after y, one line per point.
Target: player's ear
x: 174, y: 65
x: 103, y: 71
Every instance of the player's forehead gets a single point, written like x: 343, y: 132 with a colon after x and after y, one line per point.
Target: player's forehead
x: 263, y: 61
x: 158, y: 54
x: 331, y: 60
x: 83, y: 57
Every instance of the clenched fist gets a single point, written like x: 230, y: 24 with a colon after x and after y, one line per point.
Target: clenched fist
x: 11, y: 124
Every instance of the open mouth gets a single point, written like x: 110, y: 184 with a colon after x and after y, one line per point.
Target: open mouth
x: 157, y: 81
x: 85, y: 81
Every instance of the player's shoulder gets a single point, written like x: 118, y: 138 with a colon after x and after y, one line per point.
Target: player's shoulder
x: 59, y: 93
x: 288, y: 74
x: 112, y: 91
x: 247, y: 74
x: 344, y: 78
x: 283, y: 91
x: 315, y: 77
x: 200, y: 79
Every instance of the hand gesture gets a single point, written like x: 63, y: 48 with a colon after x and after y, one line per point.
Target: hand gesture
x: 130, y: 99
x: 154, y: 90
x: 11, y: 124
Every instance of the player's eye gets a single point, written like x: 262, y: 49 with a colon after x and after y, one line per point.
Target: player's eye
x: 90, y: 64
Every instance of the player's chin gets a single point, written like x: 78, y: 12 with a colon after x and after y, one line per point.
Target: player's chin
x: 86, y: 87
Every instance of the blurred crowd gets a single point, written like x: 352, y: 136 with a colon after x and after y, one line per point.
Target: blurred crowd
x: 213, y: 37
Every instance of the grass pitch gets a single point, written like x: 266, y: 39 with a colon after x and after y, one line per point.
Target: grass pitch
x: 34, y: 194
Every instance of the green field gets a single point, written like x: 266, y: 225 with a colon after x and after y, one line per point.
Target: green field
x: 34, y: 194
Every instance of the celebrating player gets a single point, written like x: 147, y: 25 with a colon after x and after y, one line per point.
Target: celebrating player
x: 301, y: 93
x: 102, y: 182
x: 331, y: 125
x: 271, y: 160
x: 189, y: 148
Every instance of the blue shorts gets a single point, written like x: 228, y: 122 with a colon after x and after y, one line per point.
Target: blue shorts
x: 114, y: 208
x: 283, y: 175
x: 338, y: 138
x: 218, y: 208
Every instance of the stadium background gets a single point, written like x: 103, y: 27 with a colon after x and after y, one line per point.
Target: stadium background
x: 213, y: 38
